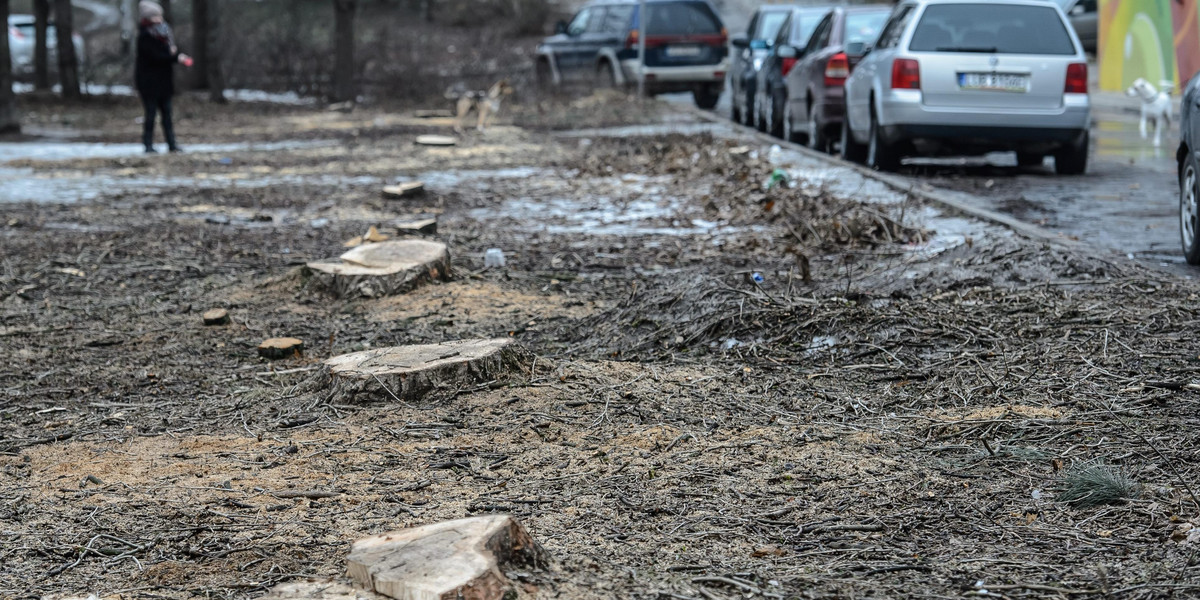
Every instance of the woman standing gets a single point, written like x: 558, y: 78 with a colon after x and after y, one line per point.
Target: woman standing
x: 156, y: 58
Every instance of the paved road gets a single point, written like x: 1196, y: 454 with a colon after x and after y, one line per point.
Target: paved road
x: 1127, y: 203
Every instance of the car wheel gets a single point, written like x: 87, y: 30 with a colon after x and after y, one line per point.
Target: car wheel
x: 775, y: 114
x: 1030, y: 159
x: 1072, y: 159
x: 735, y: 113
x: 748, y: 108
x: 1189, y: 211
x: 880, y: 154
x: 760, y: 122
x: 706, y: 96
x: 851, y: 150
x: 542, y: 75
x: 605, y: 77
x: 817, y: 140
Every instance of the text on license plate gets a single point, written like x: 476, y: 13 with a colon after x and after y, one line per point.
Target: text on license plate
x: 1002, y: 82
x: 683, y: 51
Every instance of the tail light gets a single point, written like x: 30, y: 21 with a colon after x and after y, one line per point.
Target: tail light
x: 631, y: 41
x: 724, y: 36
x: 787, y: 64
x: 837, y: 70
x: 906, y: 74
x: 1077, y: 79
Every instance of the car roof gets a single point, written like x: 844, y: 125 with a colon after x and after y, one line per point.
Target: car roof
x: 992, y: 2
x: 862, y: 8
x: 635, y: 2
x: 777, y: 7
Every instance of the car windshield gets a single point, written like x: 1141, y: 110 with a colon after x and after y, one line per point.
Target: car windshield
x: 769, y: 23
x: 1007, y: 29
x: 864, y: 27
x: 680, y: 18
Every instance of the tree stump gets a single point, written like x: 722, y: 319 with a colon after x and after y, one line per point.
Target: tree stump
x: 418, y: 226
x: 403, y: 190
x: 413, y: 373
x: 436, y: 140
x: 452, y: 560
x: 216, y: 316
x: 383, y: 269
x: 277, y: 348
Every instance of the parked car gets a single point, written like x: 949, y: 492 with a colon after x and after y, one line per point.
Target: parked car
x: 815, y: 93
x: 1189, y: 171
x: 746, y: 56
x: 1084, y: 18
x: 970, y: 77
x: 770, y: 95
x: 21, y: 40
x: 685, y: 48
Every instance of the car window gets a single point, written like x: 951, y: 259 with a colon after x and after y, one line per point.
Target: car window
x: 863, y: 27
x: 803, y: 25
x: 580, y: 22
x: 769, y: 24
x: 682, y: 18
x: 781, y: 37
x: 616, y: 20
x: 596, y: 20
x: 1004, y: 28
x: 820, y: 37
x: 890, y: 36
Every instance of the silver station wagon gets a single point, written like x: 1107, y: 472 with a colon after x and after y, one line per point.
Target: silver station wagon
x: 967, y: 77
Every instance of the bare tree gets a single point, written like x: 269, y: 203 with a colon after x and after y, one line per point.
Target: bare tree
x: 8, y: 100
x: 41, y: 57
x: 68, y: 64
x: 212, y: 53
x: 343, y: 41
x: 200, y: 25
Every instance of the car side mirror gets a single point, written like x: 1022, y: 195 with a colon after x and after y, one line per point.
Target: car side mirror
x: 759, y: 44
x: 740, y: 41
x: 560, y: 28
x: 786, y: 51
x: 856, y: 48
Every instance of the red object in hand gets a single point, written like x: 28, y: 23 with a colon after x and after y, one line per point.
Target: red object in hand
x: 187, y: 61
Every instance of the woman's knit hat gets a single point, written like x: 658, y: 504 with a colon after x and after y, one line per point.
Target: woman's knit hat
x: 148, y: 9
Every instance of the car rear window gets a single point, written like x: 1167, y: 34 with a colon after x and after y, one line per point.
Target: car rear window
x: 864, y: 27
x: 769, y: 23
x: 681, y: 18
x: 1006, y: 29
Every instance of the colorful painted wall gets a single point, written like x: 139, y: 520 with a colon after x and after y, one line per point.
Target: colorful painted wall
x: 1158, y: 40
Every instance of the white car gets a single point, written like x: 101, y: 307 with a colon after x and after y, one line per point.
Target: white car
x: 21, y: 32
x: 967, y: 77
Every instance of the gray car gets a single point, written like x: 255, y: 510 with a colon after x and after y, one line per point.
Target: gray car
x: 21, y: 32
x: 970, y: 77
x: 1085, y: 18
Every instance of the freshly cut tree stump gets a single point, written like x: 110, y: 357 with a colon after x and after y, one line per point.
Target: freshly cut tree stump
x: 404, y: 190
x: 277, y: 348
x: 418, y: 226
x: 452, y: 560
x: 216, y: 316
x: 383, y: 269
x: 436, y: 140
x: 412, y: 373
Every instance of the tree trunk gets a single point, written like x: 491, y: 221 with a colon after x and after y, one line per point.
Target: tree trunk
x: 129, y: 27
x: 212, y: 62
x: 166, y: 5
x: 427, y: 11
x: 68, y: 65
x: 200, y: 25
x: 8, y: 101
x: 41, y: 60
x: 343, y: 74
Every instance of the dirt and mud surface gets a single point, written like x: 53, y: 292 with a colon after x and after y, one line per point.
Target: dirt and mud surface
x: 821, y: 389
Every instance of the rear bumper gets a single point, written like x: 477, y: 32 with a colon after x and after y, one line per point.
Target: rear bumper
x: 683, y: 78
x: 905, y: 117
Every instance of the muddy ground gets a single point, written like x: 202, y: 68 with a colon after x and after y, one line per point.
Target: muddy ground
x: 893, y: 411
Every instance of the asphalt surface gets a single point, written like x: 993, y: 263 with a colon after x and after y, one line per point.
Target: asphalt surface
x: 1126, y: 204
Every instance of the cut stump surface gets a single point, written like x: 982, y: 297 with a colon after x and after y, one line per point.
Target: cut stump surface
x: 383, y: 269
x: 461, y: 559
x: 436, y: 140
x: 276, y: 348
x: 412, y: 373
x: 404, y: 190
x: 418, y: 226
x: 216, y: 316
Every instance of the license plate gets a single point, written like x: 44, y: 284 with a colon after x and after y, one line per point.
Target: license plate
x: 683, y: 51
x: 996, y: 82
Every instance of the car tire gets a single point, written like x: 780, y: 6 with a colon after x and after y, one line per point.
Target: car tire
x: 851, y: 150
x: 880, y: 154
x: 775, y: 114
x: 1189, y: 210
x: 1072, y: 159
x: 605, y: 76
x: 543, y: 76
x: 817, y: 139
x: 759, y: 122
x: 1030, y: 159
x: 735, y: 113
x: 706, y: 96
x: 748, y: 108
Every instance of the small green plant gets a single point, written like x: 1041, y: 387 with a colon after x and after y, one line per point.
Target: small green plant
x: 1090, y: 484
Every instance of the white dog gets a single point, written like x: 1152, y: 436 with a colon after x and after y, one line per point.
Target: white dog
x: 1156, y: 106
